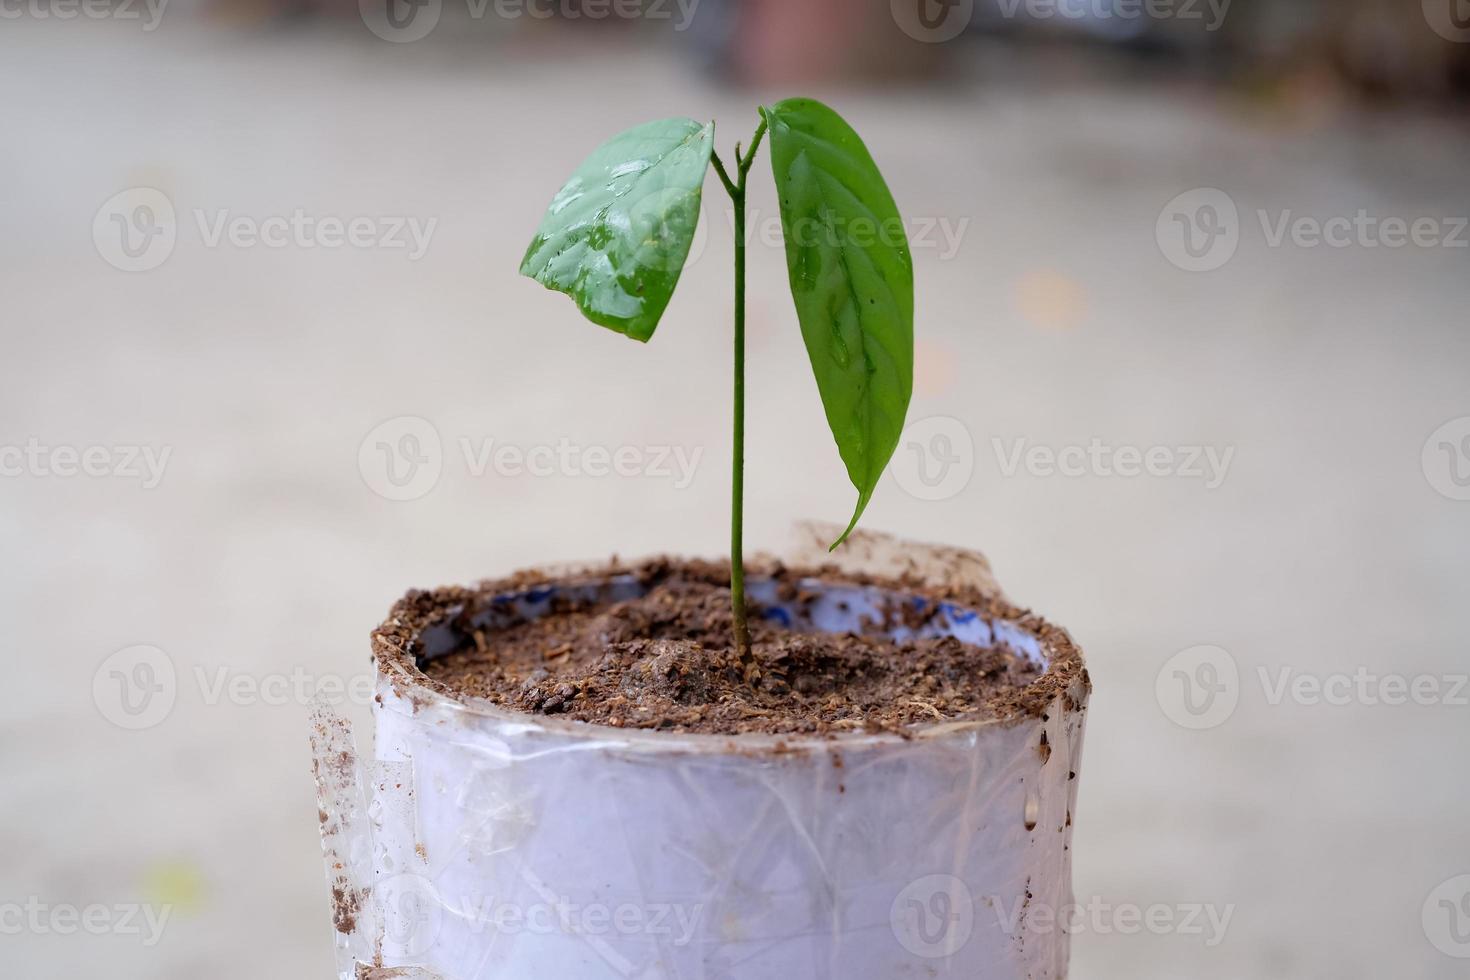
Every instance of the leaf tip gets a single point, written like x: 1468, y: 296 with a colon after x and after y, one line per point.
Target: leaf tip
x: 857, y: 515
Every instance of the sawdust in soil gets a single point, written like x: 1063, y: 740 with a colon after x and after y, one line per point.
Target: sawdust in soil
x: 665, y: 660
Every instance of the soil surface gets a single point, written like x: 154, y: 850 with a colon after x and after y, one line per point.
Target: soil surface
x: 666, y: 660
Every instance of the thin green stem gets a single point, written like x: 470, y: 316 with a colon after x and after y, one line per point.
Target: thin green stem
x: 755, y: 144
x: 736, y: 190
x: 737, y: 485
x: 730, y: 187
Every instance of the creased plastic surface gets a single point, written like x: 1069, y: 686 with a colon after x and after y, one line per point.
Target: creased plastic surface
x: 509, y: 848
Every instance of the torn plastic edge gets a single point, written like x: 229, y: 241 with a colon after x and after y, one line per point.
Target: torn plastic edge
x: 350, y: 847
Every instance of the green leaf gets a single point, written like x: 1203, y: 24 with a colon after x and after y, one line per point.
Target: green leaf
x: 616, y: 236
x: 853, y: 281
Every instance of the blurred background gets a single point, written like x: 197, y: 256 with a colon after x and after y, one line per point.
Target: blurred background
x: 1193, y: 370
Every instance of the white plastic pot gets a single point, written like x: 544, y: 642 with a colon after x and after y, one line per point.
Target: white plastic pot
x: 487, y: 845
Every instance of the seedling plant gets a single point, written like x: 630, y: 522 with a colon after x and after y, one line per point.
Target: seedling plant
x: 616, y: 238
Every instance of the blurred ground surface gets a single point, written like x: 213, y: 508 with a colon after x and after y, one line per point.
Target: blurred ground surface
x: 1058, y: 321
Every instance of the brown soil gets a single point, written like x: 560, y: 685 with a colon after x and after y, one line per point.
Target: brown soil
x: 665, y: 660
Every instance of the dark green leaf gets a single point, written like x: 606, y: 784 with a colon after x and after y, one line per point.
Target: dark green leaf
x: 853, y: 281
x: 616, y: 236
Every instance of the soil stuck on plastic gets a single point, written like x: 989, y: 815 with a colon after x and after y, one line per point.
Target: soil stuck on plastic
x: 666, y: 660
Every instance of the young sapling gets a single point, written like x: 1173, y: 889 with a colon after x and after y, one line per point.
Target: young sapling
x: 617, y: 235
